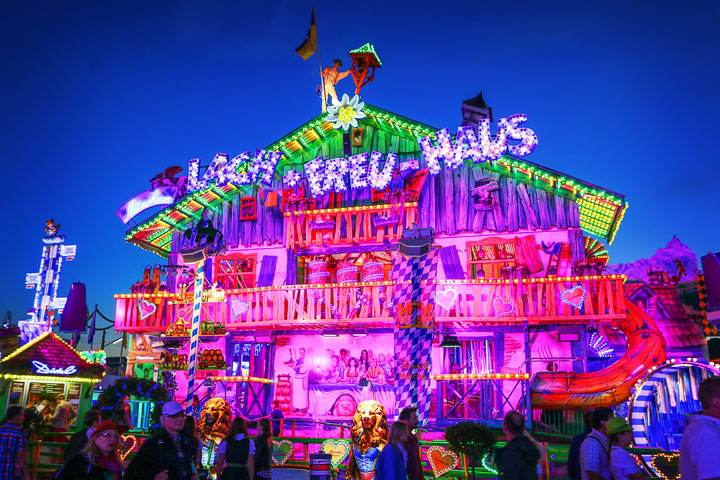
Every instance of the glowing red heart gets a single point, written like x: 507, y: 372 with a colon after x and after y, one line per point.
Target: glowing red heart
x: 502, y: 307
x: 574, y: 296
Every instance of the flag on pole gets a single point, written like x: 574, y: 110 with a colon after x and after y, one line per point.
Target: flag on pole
x: 309, y: 46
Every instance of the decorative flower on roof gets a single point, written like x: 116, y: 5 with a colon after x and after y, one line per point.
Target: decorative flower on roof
x: 346, y: 112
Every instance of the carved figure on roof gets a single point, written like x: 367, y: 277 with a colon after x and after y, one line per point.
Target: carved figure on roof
x: 331, y: 76
x: 51, y: 228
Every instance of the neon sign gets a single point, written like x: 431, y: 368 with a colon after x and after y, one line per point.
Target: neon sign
x: 325, y: 176
x: 43, y: 369
x: 481, y: 147
x: 147, y: 199
x: 239, y: 170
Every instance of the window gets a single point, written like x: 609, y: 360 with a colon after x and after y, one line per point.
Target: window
x: 487, y: 257
x: 248, y: 208
x: 235, y: 271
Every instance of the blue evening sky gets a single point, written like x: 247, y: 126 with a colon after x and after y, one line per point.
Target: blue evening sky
x: 97, y: 97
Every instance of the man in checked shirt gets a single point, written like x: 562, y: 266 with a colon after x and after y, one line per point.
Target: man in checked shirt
x: 13, y: 446
x: 595, y: 449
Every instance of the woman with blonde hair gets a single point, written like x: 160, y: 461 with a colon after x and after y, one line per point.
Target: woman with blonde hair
x: 518, y: 459
x: 99, y: 460
x: 392, y: 462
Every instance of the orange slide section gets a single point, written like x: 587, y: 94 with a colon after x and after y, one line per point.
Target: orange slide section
x: 609, y: 386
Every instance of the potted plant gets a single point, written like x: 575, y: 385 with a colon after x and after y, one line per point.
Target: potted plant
x: 471, y: 439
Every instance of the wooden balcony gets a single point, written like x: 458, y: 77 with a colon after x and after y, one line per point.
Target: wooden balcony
x: 460, y: 303
x: 552, y: 300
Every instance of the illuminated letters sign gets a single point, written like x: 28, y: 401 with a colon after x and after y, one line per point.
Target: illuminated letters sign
x: 239, y: 170
x: 43, y: 369
x: 364, y: 170
x: 481, y: 147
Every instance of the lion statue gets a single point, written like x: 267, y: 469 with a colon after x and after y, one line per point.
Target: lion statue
x: 214, y: 421
x: 369, y: 435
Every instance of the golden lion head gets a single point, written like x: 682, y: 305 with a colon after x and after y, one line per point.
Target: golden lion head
x: 370, y: 426
x: 214, y: 421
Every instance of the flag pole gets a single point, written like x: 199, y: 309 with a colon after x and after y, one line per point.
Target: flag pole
x: 322, y: 80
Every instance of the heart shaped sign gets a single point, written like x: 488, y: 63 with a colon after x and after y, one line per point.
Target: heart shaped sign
x: 339, y: 449
x: 502, y: 307
x: 574, y: 296
x: 146, y: 309
x: 127, y: 445
x: 667, y: 465
x: 441, y: 461
x: 282, y: 451
x: 446, y: 298
x: 238, y: 307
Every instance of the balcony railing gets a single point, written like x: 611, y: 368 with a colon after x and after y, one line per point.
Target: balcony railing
x: 457, y: 302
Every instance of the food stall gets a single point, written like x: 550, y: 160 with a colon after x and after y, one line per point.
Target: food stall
x: 38, y: 372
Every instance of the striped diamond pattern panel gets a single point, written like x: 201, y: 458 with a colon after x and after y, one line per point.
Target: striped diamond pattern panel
x: 415, y: 288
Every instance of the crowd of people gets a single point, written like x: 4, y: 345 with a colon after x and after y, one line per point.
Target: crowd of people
x: 599, y: 453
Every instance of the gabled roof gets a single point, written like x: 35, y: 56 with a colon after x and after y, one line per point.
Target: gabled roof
x: 50, y: 350
x: 601, y: 210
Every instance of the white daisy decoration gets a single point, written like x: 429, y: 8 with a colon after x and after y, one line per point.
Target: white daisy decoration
x: 346, y: 112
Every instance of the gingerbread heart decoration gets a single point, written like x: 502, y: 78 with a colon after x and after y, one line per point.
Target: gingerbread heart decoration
x: 441, y: 461
x: 338, y: 449
x: 667, y: 465
x: 282, y: 451
x: 502, y: 307
x: 446, y: 298
x: 146, y: 309
x: 574, y: 296
x: 127, y: 445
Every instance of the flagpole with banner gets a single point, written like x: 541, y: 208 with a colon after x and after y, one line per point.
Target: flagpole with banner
x: 308, y: 49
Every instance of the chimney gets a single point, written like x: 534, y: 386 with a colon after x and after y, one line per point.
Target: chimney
x: 657, y: 277
x: 474, y: 110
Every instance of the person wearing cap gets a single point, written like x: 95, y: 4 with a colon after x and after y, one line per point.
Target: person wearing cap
x: 99, y: 460
x: 699, y: 458
x: 622, y: 464
x: 168, y: 455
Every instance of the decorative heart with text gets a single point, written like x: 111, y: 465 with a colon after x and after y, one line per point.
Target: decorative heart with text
x: 282, y: 451
x: 441, y: 461
x: 667, y: 465
x: 184, y: 314
x: 446, y: 298
x: 574, y: 296
x: 503, y: 307
x: 238, y: 307
x: 339, y: 449
x: 146, y: 309
x: 127, y: 445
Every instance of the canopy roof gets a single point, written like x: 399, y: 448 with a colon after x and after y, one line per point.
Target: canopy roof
x: 48, y: 357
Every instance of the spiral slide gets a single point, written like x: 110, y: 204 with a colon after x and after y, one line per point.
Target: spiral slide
x: 609, y: 386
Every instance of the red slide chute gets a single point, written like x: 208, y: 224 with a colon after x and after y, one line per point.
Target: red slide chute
x: 609, y: 386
